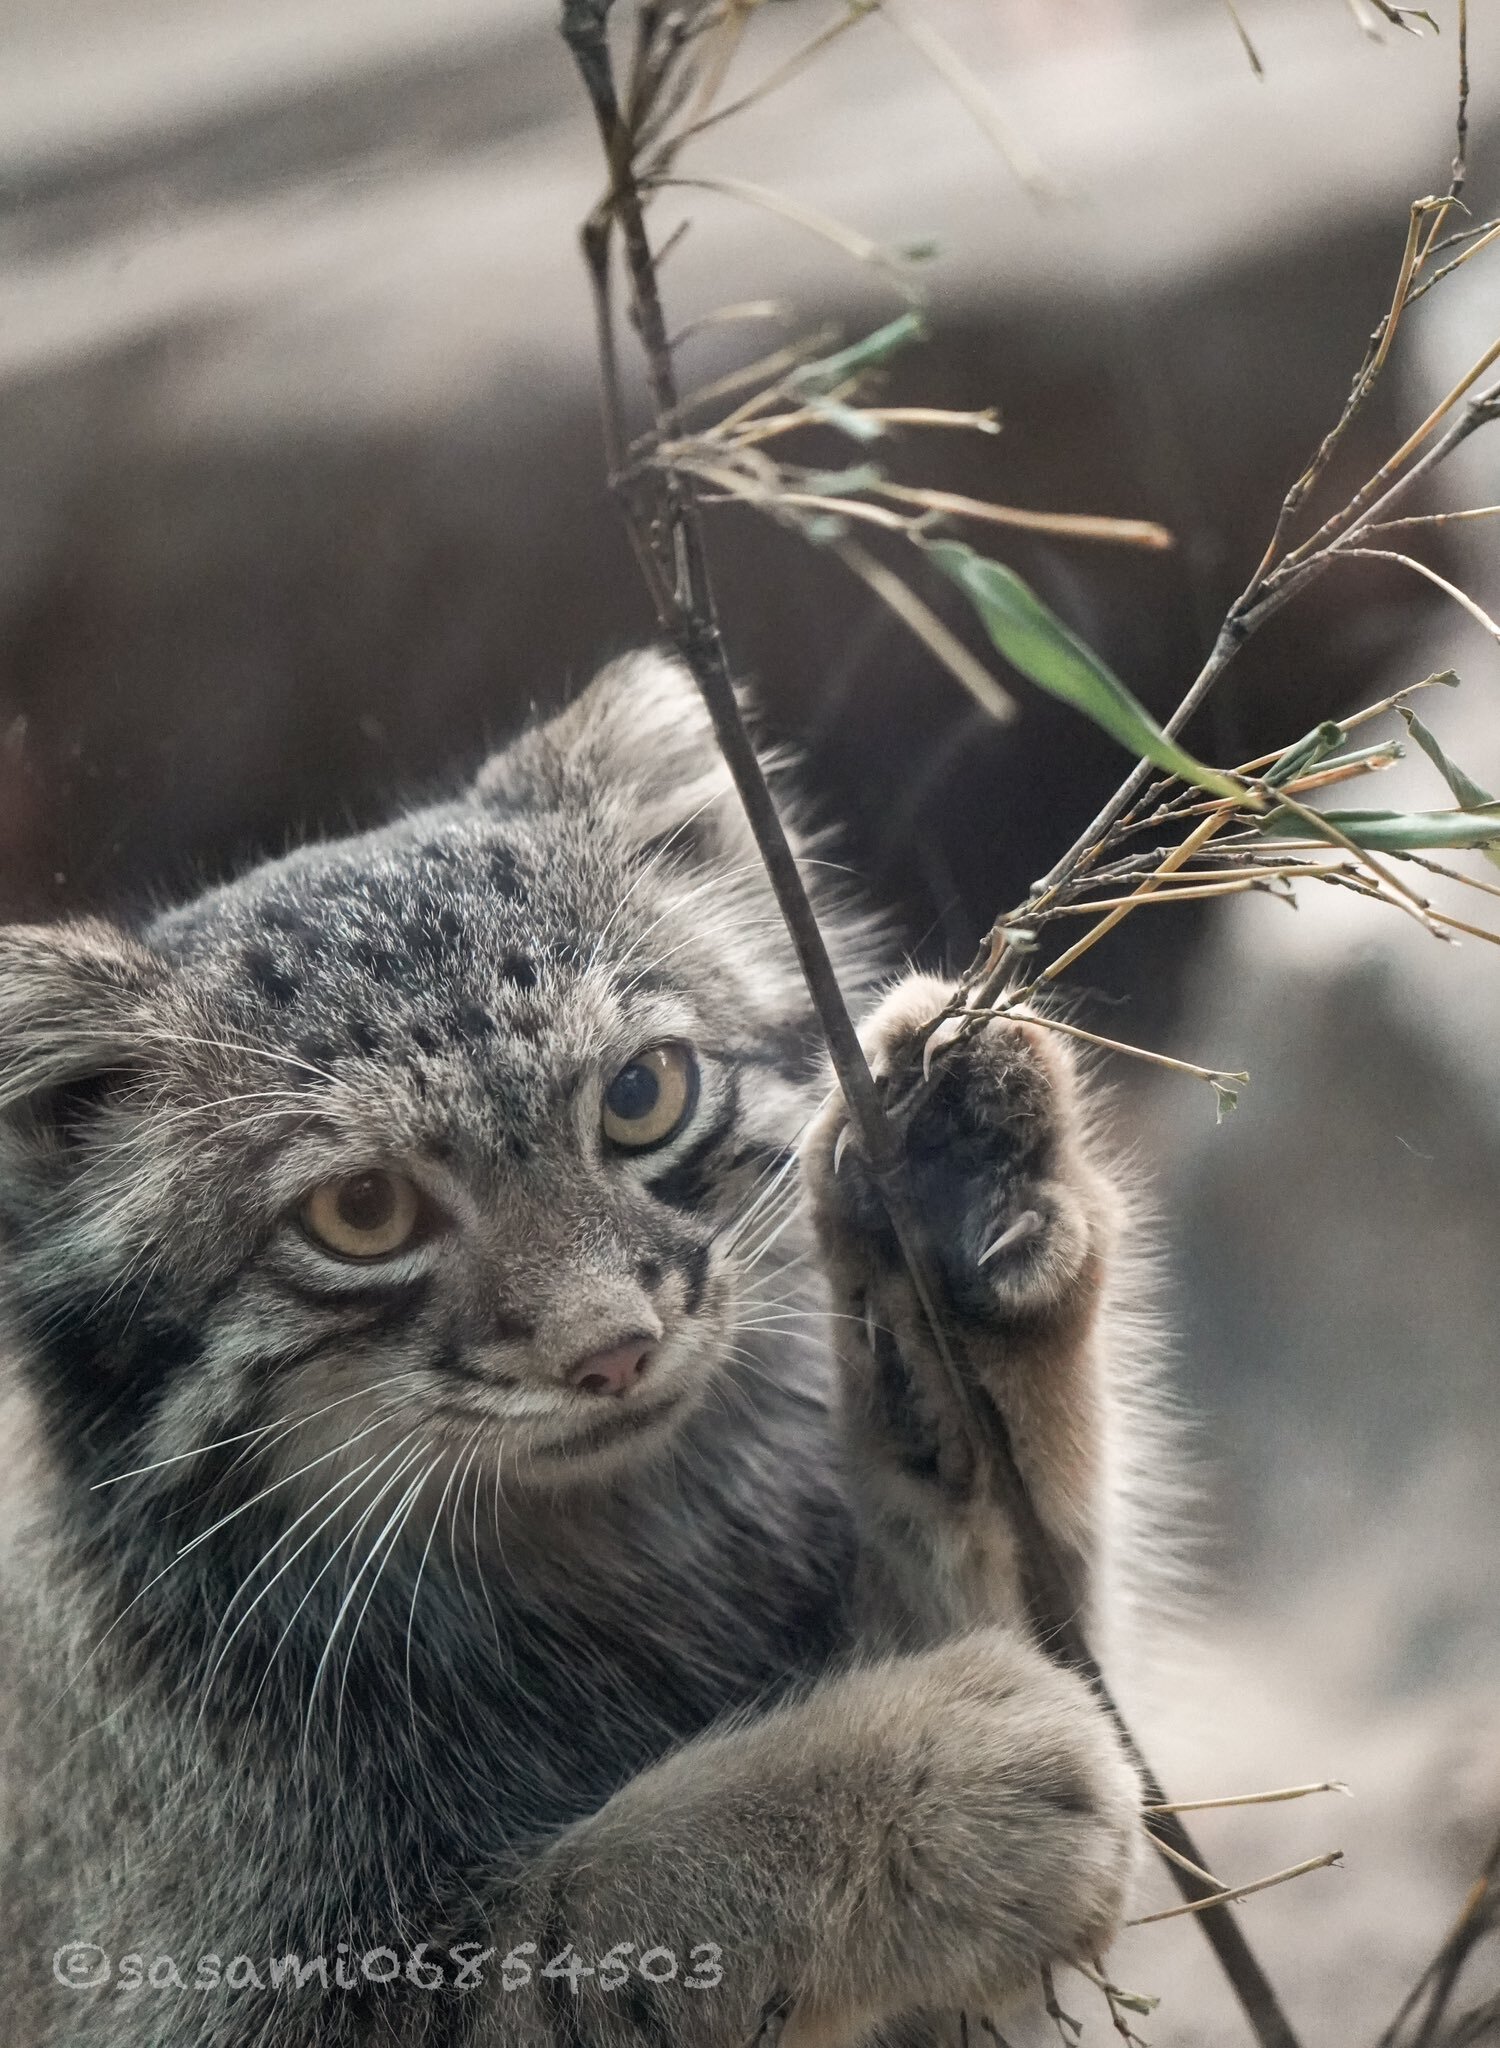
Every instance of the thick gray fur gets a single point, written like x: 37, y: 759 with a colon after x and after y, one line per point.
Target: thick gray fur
x: 337, y: 1622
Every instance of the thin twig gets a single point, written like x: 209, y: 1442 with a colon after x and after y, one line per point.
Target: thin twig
x: 1025, y: 165
x: 1254, y: 1798
x: 1440, y: 1979
x: 930, y: 629
x: 1223, y: 885
x: 983, y: 422
x: 1331, y: 1861
x: 1322, y: 827
x: 1365, y: 499
x: 1119, y: 2002
x: 1218, y: 817
x: 859, y: 246
x: 1252, y: 55
x: 774, y: 80
x: 1215, y: 1076
x: 1461, y: 147
x: 1376, y: 352
x: 1198, y: 1871
x: 1141, y: 533
x: 1435, y: 519
x: 1482, y: 238
x: 1475, y: 610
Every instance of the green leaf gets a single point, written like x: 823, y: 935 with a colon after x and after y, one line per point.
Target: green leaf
x: 1467, y: 793
x: 828, y: 372
x: 1386, y: 753
x: 1034, y: 640
x: 841, y: 483
x: 1398, y: 831
x: 1319, y: 743
x: 846, y: 419
x: 1470, y: 796
x: 1226, y: 1102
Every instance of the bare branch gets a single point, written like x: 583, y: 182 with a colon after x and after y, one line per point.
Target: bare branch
x: 1471, y: 605
x: 667, y: 539
x: 1480, y: 1912
x: 1256, y: 1798
x: 1024, y: 163
x: 1332, y: 1860
x: 930, y: 629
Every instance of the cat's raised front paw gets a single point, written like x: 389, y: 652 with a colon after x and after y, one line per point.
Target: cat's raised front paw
x: 1014, y: 1213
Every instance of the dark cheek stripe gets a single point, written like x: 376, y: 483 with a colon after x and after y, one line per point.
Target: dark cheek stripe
x: 107, y: 1361
x: 349, y: 1290
x: 692, y: 1263
x: 688, y: 1182
x: 793, y: 1050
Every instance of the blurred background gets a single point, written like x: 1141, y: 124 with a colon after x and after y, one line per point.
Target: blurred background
x: 304, y: 509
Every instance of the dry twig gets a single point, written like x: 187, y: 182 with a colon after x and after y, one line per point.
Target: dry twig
x: 1330, y: 1860
x: 1434, y: 1989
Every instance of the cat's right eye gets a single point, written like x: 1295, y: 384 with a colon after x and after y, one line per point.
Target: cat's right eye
x: 651, y: 1098
x: 369, y: 1215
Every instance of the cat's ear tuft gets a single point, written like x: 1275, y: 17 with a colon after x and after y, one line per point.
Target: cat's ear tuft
x: 640, y: 732
x: 75, y: 1000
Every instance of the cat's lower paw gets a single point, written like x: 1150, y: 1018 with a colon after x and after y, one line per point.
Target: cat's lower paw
x: 1010, y: 1207
x: 1011, y: 1841
x: 1064, y: 1833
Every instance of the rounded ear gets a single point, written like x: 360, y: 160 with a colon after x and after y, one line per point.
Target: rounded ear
x: 73, y: 1000
x: 639, y: 731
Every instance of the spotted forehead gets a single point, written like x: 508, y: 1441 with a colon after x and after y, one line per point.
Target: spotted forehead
x: 487, y: 956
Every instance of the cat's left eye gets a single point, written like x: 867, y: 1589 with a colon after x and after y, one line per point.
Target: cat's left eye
x: 651, y: 1098
x: 368, y: 1215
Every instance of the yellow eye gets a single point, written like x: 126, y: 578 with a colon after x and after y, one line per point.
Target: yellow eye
x: 366, y: 1215
x: 651, y: 1097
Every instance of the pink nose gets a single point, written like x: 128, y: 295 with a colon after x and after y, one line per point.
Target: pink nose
x: 611, y: 1372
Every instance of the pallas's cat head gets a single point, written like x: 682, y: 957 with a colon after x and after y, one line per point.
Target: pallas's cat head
x: 456, y: 1134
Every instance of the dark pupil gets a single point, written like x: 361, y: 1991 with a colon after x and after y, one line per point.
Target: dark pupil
x: 633, y: 1093
x: 367, y: 1202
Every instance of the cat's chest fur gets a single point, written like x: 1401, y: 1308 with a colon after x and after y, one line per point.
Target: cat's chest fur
x: 459, y: 1705
x: 524, y: 1683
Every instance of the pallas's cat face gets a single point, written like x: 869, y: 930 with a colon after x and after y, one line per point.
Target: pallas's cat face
x: 451, y: 1142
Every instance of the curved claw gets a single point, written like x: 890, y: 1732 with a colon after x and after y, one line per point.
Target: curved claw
x: 838, y: 1148
x: 940, y: 1035
x: 1025, y: 1226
